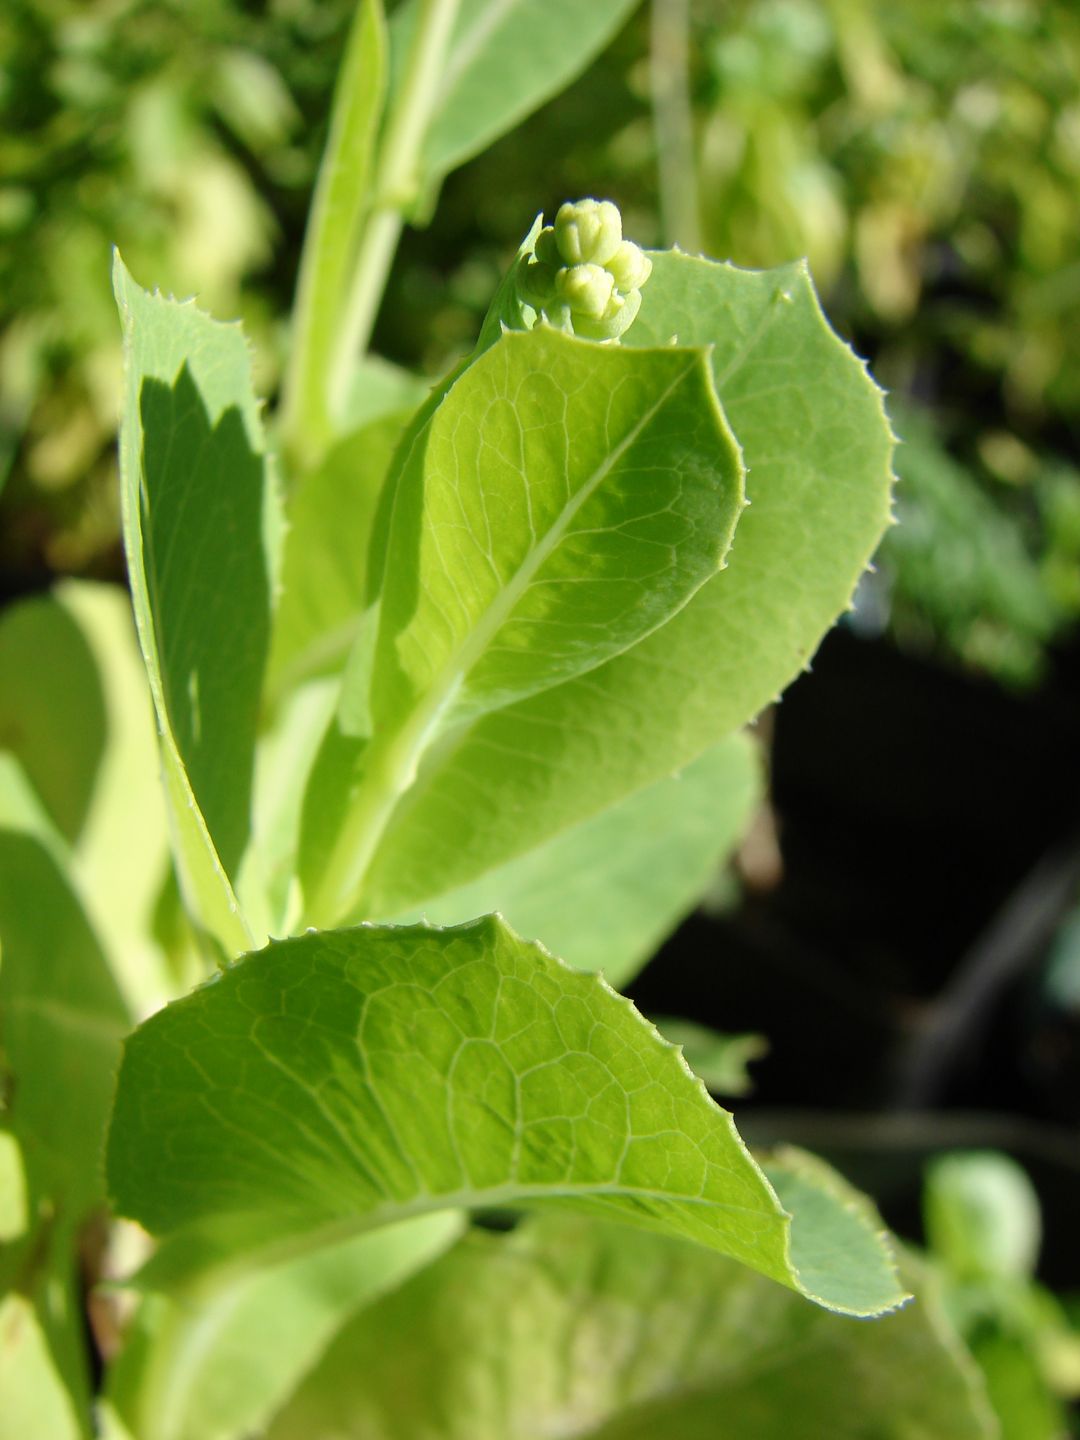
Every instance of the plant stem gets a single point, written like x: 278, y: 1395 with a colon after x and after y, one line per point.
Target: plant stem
x: 673, y: 121
x: 397, y: 182
x: 342, y: 198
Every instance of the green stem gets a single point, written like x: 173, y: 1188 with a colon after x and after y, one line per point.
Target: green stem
x: 397, y: 183
x: 342, y: 198
x: 673, y: 121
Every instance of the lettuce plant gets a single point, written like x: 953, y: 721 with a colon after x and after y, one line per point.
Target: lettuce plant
x: 448, y: 690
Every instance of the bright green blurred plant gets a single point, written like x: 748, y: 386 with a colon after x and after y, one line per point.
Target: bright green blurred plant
x: 984, y: 1229
x: 924, y: 157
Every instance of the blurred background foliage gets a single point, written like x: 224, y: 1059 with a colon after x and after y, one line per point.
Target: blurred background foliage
x: 925, y: 157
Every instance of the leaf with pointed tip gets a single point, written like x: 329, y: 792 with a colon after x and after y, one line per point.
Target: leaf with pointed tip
x: 568, y: 1327
x: 199, y: 508
x: 818, y: 448
x: 339, y: 1081
x: 562, y: 501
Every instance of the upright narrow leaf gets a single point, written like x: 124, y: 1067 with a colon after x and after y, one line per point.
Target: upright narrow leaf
x: 200, y: 529
x: 348, y: 1079
x: 817, y: 448
x: 323, y: 572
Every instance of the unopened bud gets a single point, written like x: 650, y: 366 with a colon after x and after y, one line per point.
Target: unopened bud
x: 630, y: 266
x: 586, y: 289
x: 588, y: 232
x: 619, y: 314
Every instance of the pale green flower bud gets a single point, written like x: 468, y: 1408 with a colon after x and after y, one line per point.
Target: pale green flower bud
x: 581, y: 277
x: 586, y: 289
x: 588, y: 232
x: 630, y: 266
x: 619, y: 314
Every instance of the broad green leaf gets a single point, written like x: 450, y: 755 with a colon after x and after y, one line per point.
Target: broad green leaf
x: 590, y: 1332
x: 342, y: 199
x: 75, y: 713
x: 34, y: 1399
x: 340, y: 1081
x: 200, y: 523
x: 61, y: 1014
x: 217, y: 1367
x: 123, y: 850
x: 817, y: 449
x: 61, y: 1022
x: 564, y: 499
x: 604, y: 895
x: 505, y: 59
x: 52, y: 711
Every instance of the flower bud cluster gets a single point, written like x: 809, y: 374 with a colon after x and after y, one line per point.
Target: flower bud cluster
x: 583, y: 276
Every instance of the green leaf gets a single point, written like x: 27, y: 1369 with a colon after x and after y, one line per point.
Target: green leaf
x: 336, y: 1082
x: 122, y: 853
x: 52, y: 711
x: 719, y: 1060
x: 34, y: 1398
x: 342, y: 199
x: 218, y: 1366
x: 324, y: 574
x: 505, y: 59
x: 199, y: 509
x: 563, y: 500
x: 982, y: 1216
x: 61, y: 1022
x: 603, y: 895
x: 75, y: 713
x: 817, y: 449
x: 571, y: 1328
x: 62, y: 1014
